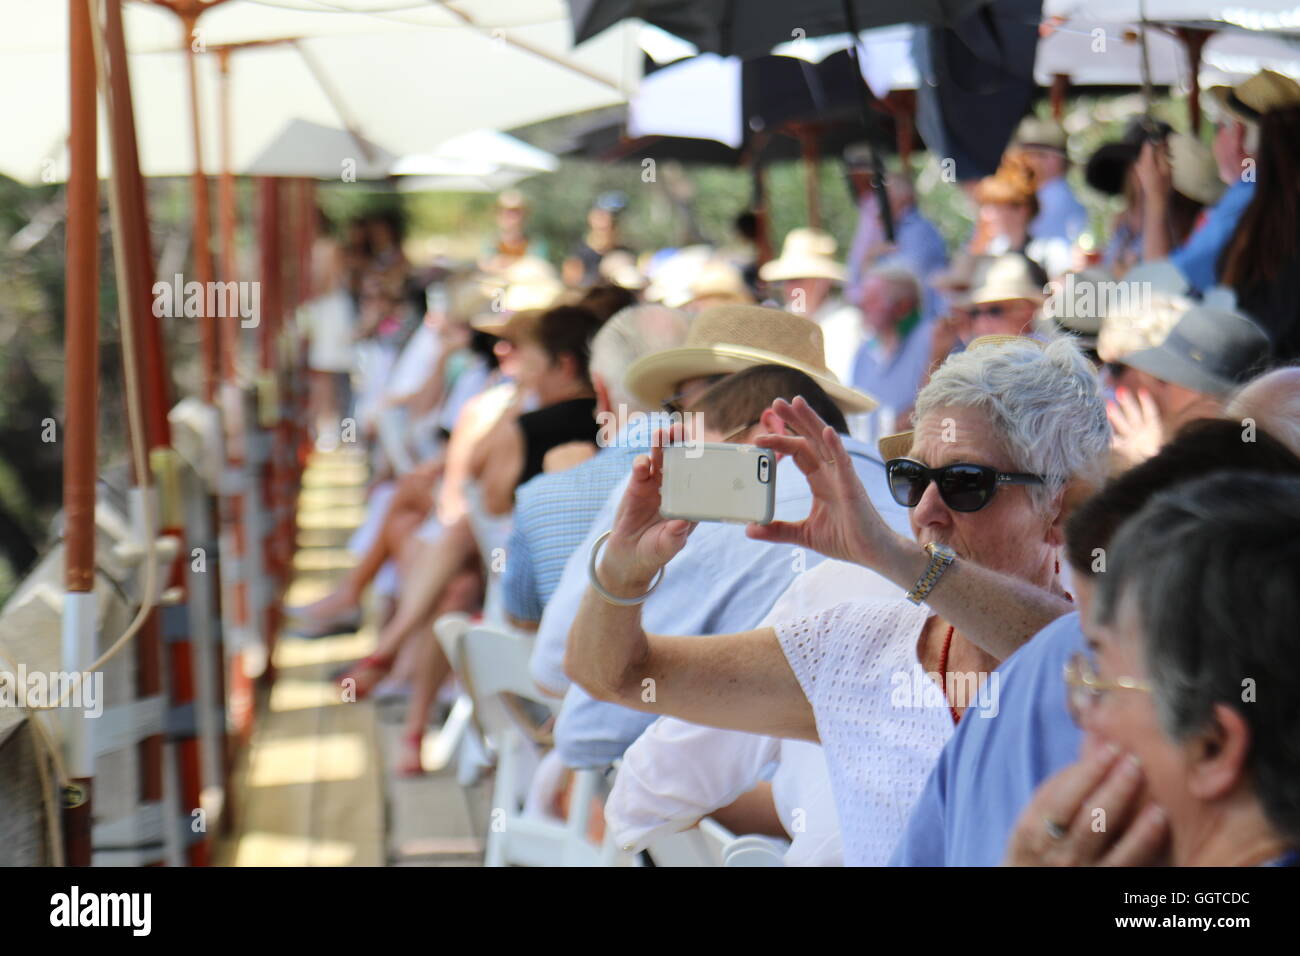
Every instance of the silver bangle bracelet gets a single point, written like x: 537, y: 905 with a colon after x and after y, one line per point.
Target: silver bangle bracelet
x: 600, y: 588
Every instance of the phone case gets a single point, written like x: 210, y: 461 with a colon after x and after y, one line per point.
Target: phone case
x: 717, y: 481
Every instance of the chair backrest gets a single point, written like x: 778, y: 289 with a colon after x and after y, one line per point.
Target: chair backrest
x: 701, y: 845
x: 492, y: 663
x: 755, y: 851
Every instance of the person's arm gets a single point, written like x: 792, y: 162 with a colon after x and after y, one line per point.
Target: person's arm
x: 997, y: 612
x: 737, y: 681
x: 1156, y: 178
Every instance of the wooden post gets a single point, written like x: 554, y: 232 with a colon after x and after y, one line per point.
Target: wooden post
x: 81, y: 400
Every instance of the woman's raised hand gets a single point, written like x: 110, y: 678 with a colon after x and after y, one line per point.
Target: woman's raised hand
x: 642, y: 542
x: 842, y: 523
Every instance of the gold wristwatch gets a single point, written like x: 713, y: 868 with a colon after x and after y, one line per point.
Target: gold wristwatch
x: 941, y: 556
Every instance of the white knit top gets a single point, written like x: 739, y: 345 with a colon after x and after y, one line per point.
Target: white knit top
x: 880, y: 729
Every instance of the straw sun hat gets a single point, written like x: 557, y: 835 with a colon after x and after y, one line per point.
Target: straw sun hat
x: 1006, y: 278
x: 1264, y: 92
x: 731, y: 338
x: 805, y: 254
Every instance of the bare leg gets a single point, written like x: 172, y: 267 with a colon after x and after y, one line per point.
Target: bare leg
x: 407, y: 510
x: 431, y: 667
x: 440, y: 562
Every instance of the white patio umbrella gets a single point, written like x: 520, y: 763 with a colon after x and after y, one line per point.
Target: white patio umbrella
x: 479, y: 161
x: 319, y: 152
x: 408, y: 79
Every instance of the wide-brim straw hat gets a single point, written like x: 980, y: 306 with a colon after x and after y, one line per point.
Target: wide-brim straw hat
x: 805, y: 254
x: 1007, y: 278
x: 514, y: 327
x: 1263, y: 93
x: 721, y: 280
x: 899, y: 444
x: 731, y: 338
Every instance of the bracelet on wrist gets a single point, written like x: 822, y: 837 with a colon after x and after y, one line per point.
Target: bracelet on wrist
x: 600, y: 588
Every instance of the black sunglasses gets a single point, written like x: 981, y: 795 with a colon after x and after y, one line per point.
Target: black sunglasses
x: 962, y: 486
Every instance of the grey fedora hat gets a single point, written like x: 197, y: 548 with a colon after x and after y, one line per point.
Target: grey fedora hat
x: 1211, y: 351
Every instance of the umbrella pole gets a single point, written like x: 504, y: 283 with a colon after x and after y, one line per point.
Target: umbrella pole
x: 202, y: 217
x: 1060, y: 87
x: 864, y: 100
x: 811, y: 160
x: 1193, y: 41
x: 80, y: 422
x: 226, y: 209
x: 758, y: 201
x: 158, y: 393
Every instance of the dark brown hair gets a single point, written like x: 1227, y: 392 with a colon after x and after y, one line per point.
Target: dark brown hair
x: 1267, y: 234
x: 1200, y: 448
x: 738, y: 400
x: 567, y: 330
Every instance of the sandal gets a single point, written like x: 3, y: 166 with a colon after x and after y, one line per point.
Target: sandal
x: 379, y: 664
x: 409, y: 764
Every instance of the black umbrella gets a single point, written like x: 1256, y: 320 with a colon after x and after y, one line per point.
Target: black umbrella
x: 748, y: 28
x: 754, y: 27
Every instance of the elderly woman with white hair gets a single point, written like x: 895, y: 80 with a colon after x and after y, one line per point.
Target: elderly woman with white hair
x: 1006, y: 432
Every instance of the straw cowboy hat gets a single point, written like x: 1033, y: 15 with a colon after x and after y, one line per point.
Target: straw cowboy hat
x: 900, y: 443
x: 805, y: 254
x: 729, y: 338
x: 1006, y: 278
x: 1264, y: 92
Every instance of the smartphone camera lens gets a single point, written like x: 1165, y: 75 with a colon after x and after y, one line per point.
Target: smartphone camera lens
x: 763, y: 466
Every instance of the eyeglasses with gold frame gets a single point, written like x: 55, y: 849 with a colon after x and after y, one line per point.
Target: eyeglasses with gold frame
x: 1084, y: 688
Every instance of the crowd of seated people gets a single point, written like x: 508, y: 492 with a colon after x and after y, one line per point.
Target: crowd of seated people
x: 1036, y: 536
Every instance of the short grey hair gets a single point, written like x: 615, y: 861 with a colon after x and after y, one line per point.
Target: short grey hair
x: 630, y: 334
x: 1044, y: 402
x: 1272, y: 402
x: 1211, y: 569
x: 899, y: 278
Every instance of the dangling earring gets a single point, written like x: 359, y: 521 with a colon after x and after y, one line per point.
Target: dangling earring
x: 1058, y: 566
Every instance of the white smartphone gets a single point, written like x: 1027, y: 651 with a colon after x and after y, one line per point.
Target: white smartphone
x: 718, y: 481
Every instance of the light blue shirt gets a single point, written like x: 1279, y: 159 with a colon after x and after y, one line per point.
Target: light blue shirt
x: 918, y: 246
x: 720, y: 583
x: 553, y: 512
x: 1060, y: 215
x: 1198, y: 258
x: 894, y: 378
x: 990, y: 768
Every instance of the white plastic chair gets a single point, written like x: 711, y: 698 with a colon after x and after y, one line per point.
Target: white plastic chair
x: 701, y: 845
x: 755, y: 851
x: 493, y: 664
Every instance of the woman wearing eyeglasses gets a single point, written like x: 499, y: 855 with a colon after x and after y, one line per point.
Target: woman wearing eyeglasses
x: 1187, y: 697
x: 1006, y: 431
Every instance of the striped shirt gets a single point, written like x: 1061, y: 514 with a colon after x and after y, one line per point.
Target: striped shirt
x: 553, y: 512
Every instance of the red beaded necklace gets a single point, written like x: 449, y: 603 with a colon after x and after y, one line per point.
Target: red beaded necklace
x: 943, y: 661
